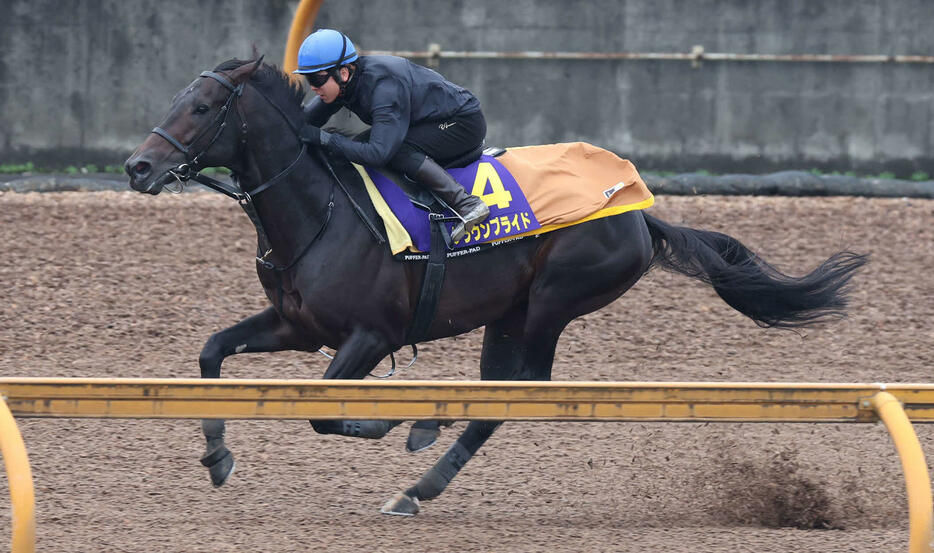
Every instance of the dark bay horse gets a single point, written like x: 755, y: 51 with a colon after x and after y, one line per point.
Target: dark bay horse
x: 331, y: 283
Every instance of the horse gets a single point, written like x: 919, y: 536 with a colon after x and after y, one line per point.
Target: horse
x: 332, y: 282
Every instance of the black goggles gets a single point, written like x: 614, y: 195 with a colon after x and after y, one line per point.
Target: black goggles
x: 317, y: 80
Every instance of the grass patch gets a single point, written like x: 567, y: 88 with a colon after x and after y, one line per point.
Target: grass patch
x: 27, y: 167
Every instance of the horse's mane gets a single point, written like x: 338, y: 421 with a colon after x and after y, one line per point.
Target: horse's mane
x: 277, y: 85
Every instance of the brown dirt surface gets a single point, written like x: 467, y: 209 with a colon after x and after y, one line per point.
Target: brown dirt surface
x: 114, y: 284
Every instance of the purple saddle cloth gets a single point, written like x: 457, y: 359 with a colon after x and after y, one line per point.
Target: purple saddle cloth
x: 510, y: 214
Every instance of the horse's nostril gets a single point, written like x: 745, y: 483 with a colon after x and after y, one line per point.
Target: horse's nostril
x: 141, y: 168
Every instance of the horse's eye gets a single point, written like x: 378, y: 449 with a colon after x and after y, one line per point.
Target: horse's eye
x: 203, y: 108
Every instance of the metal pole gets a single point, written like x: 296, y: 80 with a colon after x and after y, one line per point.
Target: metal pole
x: 696, y: 55
x: 19, y: 477
x: 917, y: 481
x: 301, y: 26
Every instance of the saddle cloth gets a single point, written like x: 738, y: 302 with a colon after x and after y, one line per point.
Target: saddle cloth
x: 530, y: 190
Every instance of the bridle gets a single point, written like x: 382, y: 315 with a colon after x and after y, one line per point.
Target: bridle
x: 220, y: 121
x: 190, y: 170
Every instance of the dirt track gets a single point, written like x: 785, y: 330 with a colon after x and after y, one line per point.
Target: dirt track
x: 116, y: 284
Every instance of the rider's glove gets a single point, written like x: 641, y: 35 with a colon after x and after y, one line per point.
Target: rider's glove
x: 314, y: 136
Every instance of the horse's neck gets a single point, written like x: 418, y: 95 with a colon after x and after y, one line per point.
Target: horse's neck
x: 295, y: 205
x: 293, y: 210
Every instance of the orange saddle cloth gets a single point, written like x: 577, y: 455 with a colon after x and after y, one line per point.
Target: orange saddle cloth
x: 575, y: 182
x: 530, y: 190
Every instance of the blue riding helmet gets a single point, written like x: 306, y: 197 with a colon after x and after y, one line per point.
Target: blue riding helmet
x: 324, y: 49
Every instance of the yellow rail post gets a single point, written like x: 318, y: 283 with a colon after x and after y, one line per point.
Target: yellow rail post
x: 917, y: 481
x: 20, y: 480
x: 301, y: 26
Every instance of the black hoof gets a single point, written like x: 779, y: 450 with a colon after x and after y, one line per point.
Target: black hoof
x: 421, y: 438
x: 401, y: 505
x: 220, y: 464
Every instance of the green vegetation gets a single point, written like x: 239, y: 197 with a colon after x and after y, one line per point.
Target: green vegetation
x: 919, y: 176
x: 17, y: 167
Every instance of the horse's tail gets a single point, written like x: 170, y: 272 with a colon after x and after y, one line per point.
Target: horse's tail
x: 749, y: 284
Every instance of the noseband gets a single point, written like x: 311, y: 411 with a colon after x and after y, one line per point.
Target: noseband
x: 190, y: 170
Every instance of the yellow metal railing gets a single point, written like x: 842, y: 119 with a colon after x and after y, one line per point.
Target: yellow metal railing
x: 471, y: 400
x: 896, y: 405
x: 19, y: 477
x: 302, y: 22
x: 913, y: 465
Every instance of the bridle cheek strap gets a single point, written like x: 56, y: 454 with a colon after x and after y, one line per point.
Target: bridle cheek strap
x: 192, y: 161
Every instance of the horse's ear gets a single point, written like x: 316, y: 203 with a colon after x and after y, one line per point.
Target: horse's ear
x: 246, y: 70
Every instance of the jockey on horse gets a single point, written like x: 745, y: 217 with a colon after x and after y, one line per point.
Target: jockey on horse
x: 416, y: 117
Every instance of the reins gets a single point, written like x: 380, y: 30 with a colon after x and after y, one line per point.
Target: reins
x: 190, y: 170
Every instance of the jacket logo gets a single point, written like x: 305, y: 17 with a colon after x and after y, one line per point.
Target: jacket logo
x: 444, y: 126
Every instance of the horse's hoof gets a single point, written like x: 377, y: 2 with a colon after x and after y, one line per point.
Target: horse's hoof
x: 401, y: 505
x: 421, y: 438
x: 220, y: 464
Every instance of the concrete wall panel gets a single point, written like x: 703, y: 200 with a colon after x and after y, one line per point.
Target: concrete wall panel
x: 83, y: 81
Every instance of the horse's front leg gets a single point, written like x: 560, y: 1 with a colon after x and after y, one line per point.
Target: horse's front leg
x: 355, y: 359
x: 263, y: 332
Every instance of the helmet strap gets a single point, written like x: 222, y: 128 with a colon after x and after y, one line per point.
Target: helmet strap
x: 336, y: 75
x: 336, y: 70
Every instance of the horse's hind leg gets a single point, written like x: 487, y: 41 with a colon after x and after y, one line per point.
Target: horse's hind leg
x: 502, y: 354
x: 502, y: 357
x: 582, y: 270
x: 263, y: 332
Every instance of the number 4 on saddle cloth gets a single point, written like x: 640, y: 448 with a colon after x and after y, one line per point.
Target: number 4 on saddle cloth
x: 530, y: 190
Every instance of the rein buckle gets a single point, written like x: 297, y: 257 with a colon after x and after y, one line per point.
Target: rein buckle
x: 266, y: 264
x: 182, y: 173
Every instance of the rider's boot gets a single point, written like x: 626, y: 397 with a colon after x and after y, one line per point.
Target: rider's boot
x: 470, y: 209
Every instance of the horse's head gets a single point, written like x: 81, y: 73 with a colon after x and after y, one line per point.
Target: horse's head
x: 202, y: 129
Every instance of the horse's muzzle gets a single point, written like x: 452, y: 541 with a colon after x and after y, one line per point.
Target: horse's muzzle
x: 142, y: 177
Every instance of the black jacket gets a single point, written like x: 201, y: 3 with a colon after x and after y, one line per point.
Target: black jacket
x: 391, y: 94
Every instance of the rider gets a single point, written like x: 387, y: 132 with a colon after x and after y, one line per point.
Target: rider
x: 416, y: 117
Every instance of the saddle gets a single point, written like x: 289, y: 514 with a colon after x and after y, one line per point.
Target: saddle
x: 424, y: 198
x: 427, y: 200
